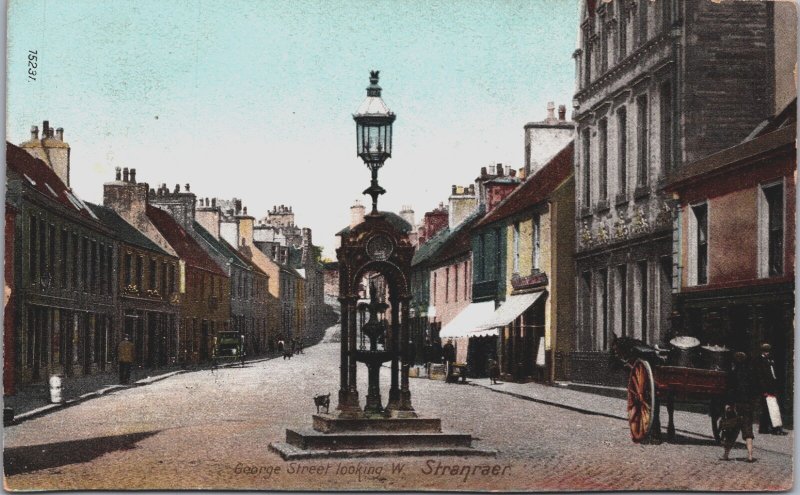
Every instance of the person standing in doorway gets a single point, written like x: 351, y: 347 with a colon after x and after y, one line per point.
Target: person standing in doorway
x: 125, y: 355
x: 768, y: 383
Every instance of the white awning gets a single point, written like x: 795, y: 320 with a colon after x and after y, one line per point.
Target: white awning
x: 470, y: 318
x: 505, y: 314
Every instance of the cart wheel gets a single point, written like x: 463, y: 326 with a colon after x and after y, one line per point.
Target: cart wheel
x: 641, y: 398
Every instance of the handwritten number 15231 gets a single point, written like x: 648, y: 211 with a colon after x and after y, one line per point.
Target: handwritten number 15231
x: 33, y: 57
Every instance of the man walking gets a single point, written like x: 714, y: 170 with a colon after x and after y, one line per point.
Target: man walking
x: 125, y: 353
x: 768, y: 383
x: 741, y: 393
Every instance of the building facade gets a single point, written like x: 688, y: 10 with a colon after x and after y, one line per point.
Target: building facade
x: 64, y: 260
x: 735, y: 247
x: 658, y: 85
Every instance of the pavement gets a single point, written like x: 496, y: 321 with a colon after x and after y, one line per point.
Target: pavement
x: 210, y: 429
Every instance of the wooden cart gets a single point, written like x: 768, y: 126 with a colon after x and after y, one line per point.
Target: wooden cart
x: 648, y: 385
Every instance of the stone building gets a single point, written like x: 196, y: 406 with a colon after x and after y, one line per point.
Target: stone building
x: 734, y: 248
x: 63, y: 295
x: 146, y: 287
x: 658, y: 85
x: 9, y: 299
x: 204, y: 288
x: 533, y: 328
x: 544, y: 139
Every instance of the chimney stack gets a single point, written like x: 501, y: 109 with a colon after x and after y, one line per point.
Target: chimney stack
x: 356, y: 214
x: 562, y: 113
x: 125, y: 174
x: 45, y: 129
x: 60, y: 133
x: 133, y: 176
x: 187, y: 187
x: 550, y: 110
x: 34, y: 133
x: 118, y: 175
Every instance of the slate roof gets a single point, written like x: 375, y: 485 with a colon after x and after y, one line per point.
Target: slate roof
x: 447, y: 244
x: 187, y: 248
x: 44, y: 180
x: 124, y: 231
x: 537, y: 188
x: 217, y: 245
x: 393, y: 218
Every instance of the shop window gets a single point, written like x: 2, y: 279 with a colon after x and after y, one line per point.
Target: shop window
x: 602, y: 296
x: 622, y: 300
x: 698, y: 252
x: 447, y: 285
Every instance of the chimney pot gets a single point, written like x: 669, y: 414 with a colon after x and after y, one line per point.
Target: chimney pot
x: 133, y: 176
x: 550, y: 108
x: 454, y: 188
x: 125, y: 174
x: 245, y: 210
x: 187, y: 187
x: 118, y: 174
x: 214, y: 202
x: 512, y: 172
x: 499, y: 169
x: 483, y: 171
x: 60, y: 133
x: 34, y: 132
x: 562, y: 113
x: 45, y: 128
x: 177, y: 188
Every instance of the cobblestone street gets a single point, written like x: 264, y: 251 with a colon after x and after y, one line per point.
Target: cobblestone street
x: 211, y: 429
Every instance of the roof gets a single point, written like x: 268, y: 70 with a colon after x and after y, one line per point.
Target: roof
x: 228, y: 254
x: 393, y: 218
x: 741, y: 153
x: 44, y: 180
x: 447, y: 243
x: 187, y: 248
x: 124, y: 231
x: 537, y: 188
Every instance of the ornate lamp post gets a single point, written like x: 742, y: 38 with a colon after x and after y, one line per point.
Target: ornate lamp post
x: 374, y: 135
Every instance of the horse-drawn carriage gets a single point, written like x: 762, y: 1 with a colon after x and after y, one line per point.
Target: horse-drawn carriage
x: 228, y: 348
x: 652, y: 380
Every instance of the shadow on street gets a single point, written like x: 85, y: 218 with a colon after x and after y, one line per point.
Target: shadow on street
x: 20, y: 460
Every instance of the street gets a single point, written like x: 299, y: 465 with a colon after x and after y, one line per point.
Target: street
x: 211, y: 429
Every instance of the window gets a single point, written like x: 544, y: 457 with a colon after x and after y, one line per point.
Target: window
x: 455, y: 284
x: 466, y: 280
x: 109, y: 269
x: 587, y: 173
x: 771, y: 231
x: 152, y: 278
x: 603, y: 160
x: 642, y: 140
x: 434, y: 288
x: 622, y: 300
x: 128, y: 269
x: 623, y: 30
x: 699, y: 234
x: 603, y: 306
x: 64, y: 257
x: 585, y: 305
x: 587, y: 56
x: 516, y: 247
x: 666, y: 14
x: 603, y: 46
x: 93, y: 267
x: 536, y: 244
x: 667, y: 148
x: 482, y: 257
x: 42, y: 250
x: 447, y: 284
x: 75, y: 261
x: 499, y: 254
x: 51, y: 254
x: 642, y: 38
x: 85, y: 264
x: 163, y: 278
x: 102, y: 268
x: 34, y: 265
x: 622, y: 151
x: 643, y: 299
x: 139, y: 272
x: 171, y: 281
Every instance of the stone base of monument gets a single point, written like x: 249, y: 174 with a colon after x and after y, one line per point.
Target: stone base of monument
x: 374, y: 437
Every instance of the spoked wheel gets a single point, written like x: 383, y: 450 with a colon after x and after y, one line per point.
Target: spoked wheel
x: 641, y: 400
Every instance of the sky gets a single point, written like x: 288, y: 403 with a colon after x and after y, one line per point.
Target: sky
x: 254, y: 99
